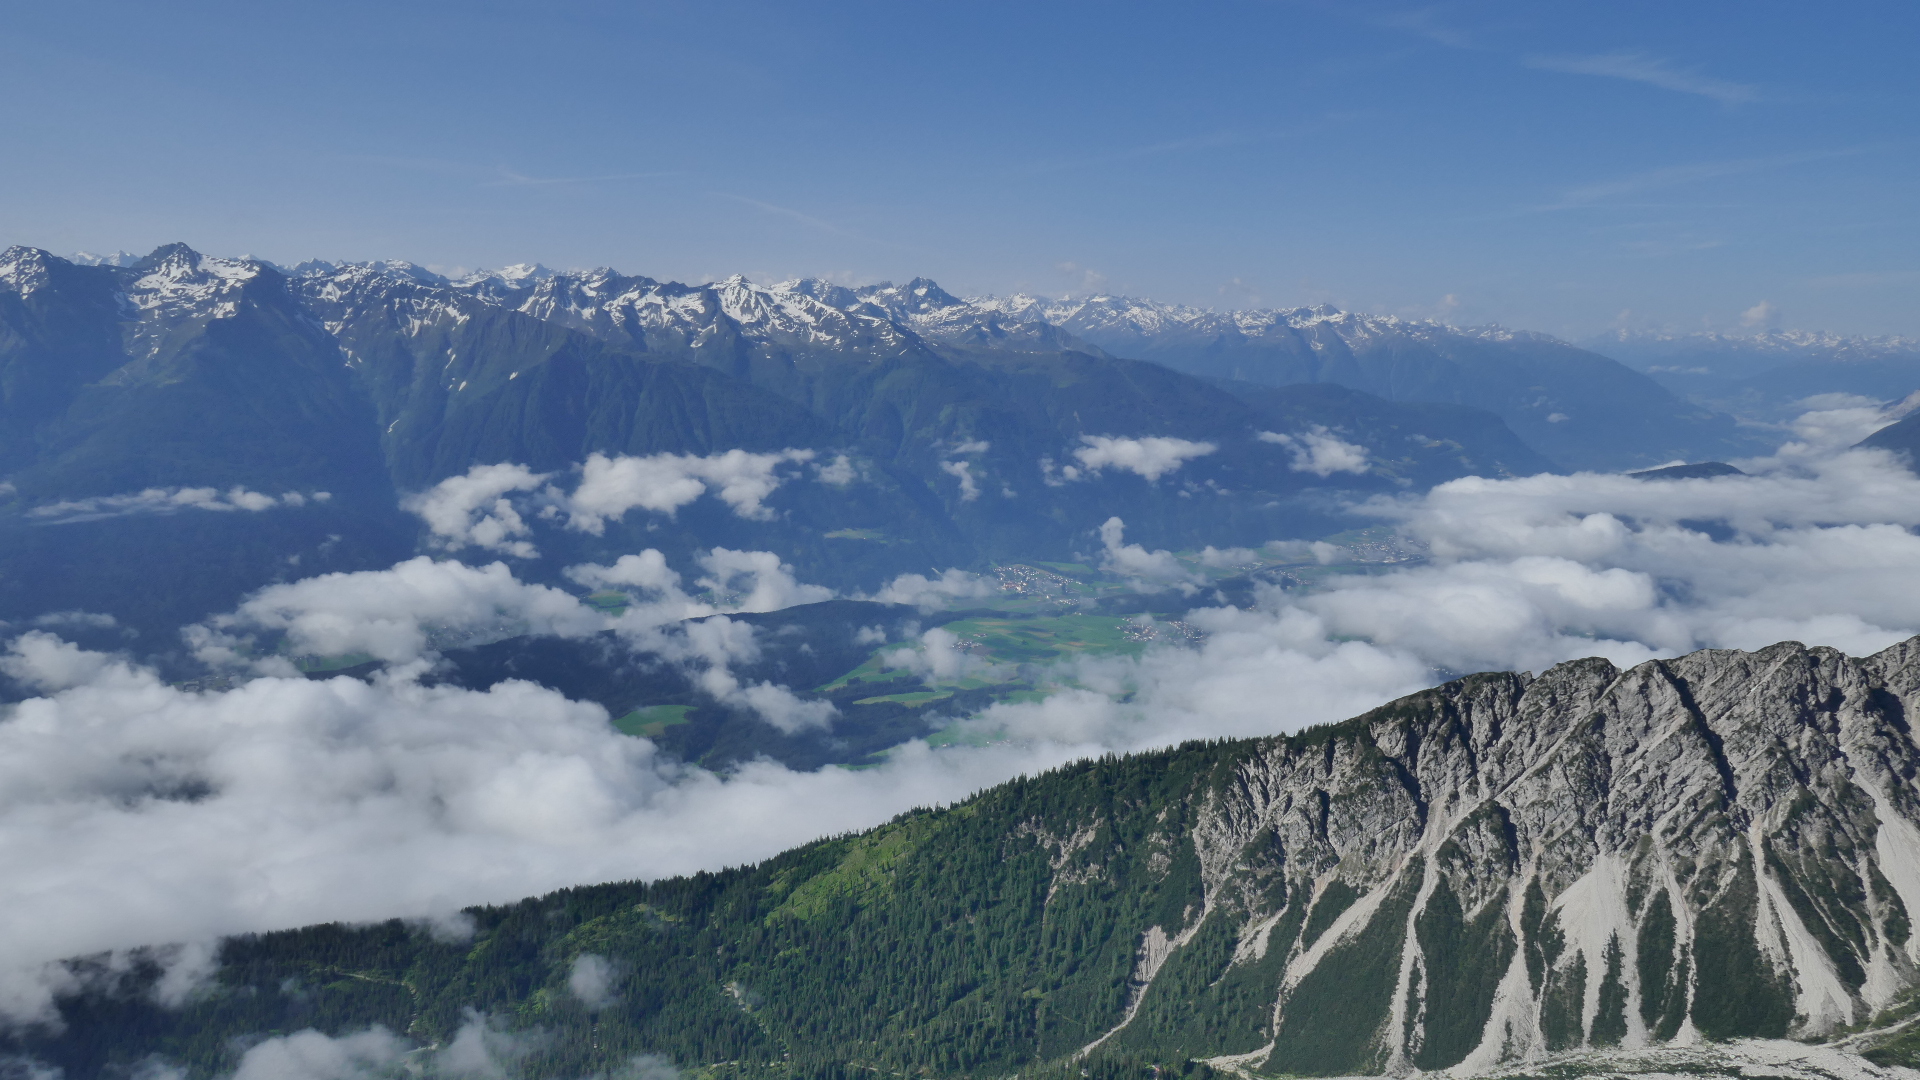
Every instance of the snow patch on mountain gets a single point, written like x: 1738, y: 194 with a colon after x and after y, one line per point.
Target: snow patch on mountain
x: 23, y: 269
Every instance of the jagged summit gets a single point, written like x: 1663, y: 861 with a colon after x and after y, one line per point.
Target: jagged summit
x: 804, y: 309
x: 1578, y: 409
x: 921, y: 296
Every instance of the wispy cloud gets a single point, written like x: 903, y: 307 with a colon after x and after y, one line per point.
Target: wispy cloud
x: 1651, y: 70
x: 1190, y: 144
x: 494, y: 175
x: 1426, y: 23
x: 1630, y: 64
x: 509, y: 178
x: 803, y: 218
x: 1677, y: 175
x: 787, y: 212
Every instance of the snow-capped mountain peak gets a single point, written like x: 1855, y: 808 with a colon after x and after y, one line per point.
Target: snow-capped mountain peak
x: 24, y: 269
x: 919, y: 297
x: 517, y: 276
x: 176, y: 279
x: 118, y: 258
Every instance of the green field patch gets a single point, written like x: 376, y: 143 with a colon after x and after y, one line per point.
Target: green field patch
x: 871, y: 673
x: 916, y: 697
x: 1013, y: 639
x: 609, y: 602
x: 1069, y: 569
x: 651, y: 721
x: 1045, y: 638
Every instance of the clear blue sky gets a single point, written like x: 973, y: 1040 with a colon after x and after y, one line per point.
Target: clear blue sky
x: 1545, y: 165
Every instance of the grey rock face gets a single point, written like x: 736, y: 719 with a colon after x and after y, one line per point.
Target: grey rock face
x: 1723, y: 845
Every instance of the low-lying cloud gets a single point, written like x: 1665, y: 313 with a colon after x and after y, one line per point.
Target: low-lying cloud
x: 168, y: 501
x: 390, y: 615
x: 1320, y: 452
x: 933, y: 593
x: 406, y: 614
x: 1151, y: 457
x: 492, y: 506
x: 663, y: 483
x: 1149, y: 570
x: 963, y: 472
x: 473, y: 509
x: 133, y: 812
x: 482, y: 1048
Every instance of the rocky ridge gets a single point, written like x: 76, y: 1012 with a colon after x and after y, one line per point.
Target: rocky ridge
x: 1716, y: 846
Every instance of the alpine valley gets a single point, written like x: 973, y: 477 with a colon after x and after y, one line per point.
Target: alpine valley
x: 463, y: 550
x: 136, y: 397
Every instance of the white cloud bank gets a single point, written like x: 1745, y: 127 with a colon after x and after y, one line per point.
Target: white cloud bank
x: 132, y: 812
x: 472, y: 509
x: 663, y: 483
x: 479, y: 509
x: 484, y: 1048
x: 392, y: 614
x: 402, y: 615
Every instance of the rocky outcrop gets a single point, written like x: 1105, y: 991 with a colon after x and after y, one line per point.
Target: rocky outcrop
x: 1722, y: 845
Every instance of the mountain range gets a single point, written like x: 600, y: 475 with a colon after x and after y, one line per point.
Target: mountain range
x: 156, y: 410
x: 1506, y: 874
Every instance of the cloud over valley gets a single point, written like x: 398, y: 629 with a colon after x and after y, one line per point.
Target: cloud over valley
x: 136, y: 812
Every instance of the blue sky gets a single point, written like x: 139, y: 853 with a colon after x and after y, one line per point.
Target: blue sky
x: 1557, y: 166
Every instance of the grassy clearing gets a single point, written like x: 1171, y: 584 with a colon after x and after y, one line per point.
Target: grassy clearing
x: 651, y: 721
x: 609, y: 602
x: 916, y: 697
x: 1045, y: 639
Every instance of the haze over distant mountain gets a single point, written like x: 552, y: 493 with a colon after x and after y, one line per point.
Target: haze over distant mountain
x: 1766, y: 374
x: 1577, y: 408
x: 1583, y: 410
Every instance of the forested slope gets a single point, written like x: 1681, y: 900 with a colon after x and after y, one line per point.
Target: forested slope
x: 1720, y: 846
